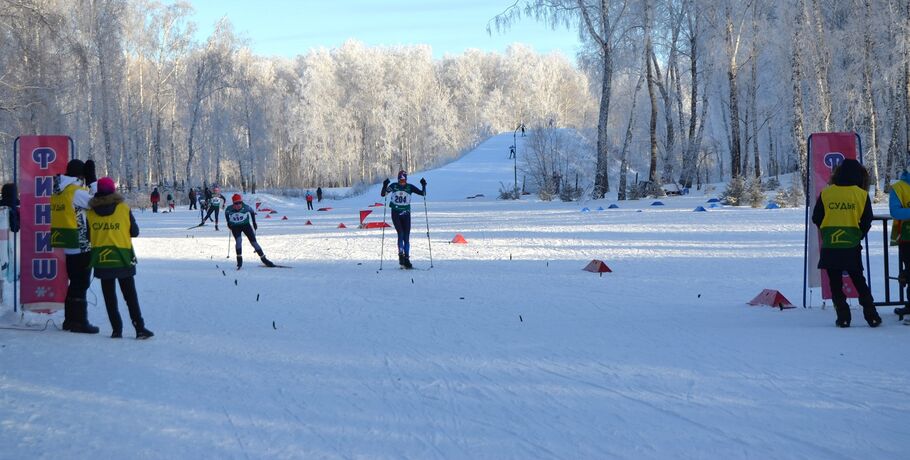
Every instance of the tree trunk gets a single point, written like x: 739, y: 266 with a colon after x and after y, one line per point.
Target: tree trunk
x: 869, y: 96
x: 799, y: 136
x: 732, y: 71
x: 652, y: 128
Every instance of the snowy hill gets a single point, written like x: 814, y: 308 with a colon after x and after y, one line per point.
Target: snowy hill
x: 505, y: 348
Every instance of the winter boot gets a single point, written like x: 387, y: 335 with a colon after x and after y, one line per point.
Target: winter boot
x: 239, y: 262
x: 80, y: 323
x: 401, y: 259
x: 69, y: 315
x: 141, y: 332
x: 900, y: 312
x: 843, y: 316
x: 117, y: 334
x: 406, y: 262
x: 871, y: 316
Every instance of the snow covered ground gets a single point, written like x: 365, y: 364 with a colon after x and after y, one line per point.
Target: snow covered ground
x: 504, y: 349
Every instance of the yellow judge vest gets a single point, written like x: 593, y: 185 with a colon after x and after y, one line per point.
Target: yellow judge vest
x: 112, y: 246
x: 900, y: 230
x: 64, y: 228
x: 844, y: 206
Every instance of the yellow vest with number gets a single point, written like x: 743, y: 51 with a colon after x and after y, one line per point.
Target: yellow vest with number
x: 844, y: 206
x: 64, y: 228
x: 900, y: 232
x: 112, y: 246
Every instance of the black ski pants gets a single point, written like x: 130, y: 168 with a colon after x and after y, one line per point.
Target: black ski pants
x: 128, y: 288
x: 838, y: 298
x: 79, y: 277
x: 250, y: 235
x: 212, y: 210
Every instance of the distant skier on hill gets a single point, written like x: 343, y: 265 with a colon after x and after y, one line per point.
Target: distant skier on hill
x: 400, y: 206
x: 843, y: 214
x: 241, y: 220
x: 215, y: 204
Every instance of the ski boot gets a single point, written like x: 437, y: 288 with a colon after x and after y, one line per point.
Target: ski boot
x: 900, y: 312
x: 239, y: 262
x: 265, y: 261
x: 406, y: 262
x: 216, y: 227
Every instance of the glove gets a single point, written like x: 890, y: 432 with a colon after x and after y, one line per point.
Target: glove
x: 255, y: 227
x: 385, y: 183
x: 90, y: 175
x: 423, y: 182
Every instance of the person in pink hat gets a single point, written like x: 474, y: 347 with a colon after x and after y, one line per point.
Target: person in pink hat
x: 112, y: 229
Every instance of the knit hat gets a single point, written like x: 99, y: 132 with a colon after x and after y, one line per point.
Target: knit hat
x: 402, y: 175
x: 75, y: 168
x: 106, y: 186
x: 236, y: 198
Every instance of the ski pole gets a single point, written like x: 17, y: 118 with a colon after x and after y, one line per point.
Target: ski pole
x: 385, y: 199
x: 427, y: 216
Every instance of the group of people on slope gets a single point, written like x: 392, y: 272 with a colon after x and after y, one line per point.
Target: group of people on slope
x: 309, y: 198
x: 843, y: 214
x: 155, y: 198
x: 95, y: 227
x: 240, y: 219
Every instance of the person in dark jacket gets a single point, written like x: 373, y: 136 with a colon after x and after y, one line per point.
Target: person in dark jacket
x: 69, y: 230
x: 241, y: 220
x: 155, y: 197
x: 319, y: 194
x: 112, y: 230
x: 192, y: 197
x: 400, y: 207
x: 843, y: 214
x: 9, y: 197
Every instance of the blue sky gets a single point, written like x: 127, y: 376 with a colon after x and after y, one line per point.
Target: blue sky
x: 289, y: 27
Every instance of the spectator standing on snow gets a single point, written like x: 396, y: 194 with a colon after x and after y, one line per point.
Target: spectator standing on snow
x: 192, y: 197
x: 241, y: 220
x: 843, y: 214
x: 400, y: 207
x: 309, y: 200
x: 170, y: 202
x: 319, y: 194
x: 69, y: 230
x: 215, y: 204
x: 9, y: 197
x: 112, y: 230
x: 155, y: 197
x: 899, y: 205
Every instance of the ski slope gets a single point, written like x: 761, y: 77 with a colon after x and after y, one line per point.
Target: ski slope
x: 503, y: 349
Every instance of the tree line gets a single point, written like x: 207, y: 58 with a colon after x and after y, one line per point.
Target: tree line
x: 706, y: 90
x: 128, y: 80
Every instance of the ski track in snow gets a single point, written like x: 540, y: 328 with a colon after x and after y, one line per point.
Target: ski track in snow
x: 504, y: 349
